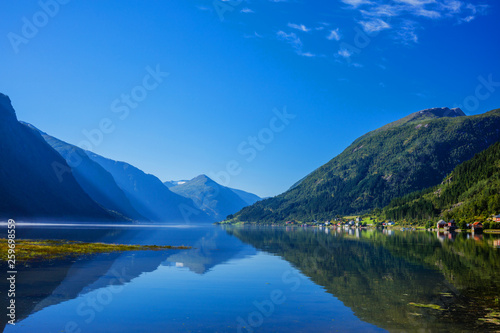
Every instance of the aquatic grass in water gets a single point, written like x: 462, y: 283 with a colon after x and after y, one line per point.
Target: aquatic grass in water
x: 27, y: 250
x: 428, y: 306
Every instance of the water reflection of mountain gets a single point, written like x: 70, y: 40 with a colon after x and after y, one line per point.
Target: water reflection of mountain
x: 46, y: 283
x: 378, y: 275
x: 214, y: 248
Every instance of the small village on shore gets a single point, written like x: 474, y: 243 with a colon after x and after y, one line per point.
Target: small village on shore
x: 491, y: 225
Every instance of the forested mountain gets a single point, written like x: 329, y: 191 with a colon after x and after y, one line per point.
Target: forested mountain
x: 405, y: 156
x: 470, y: 192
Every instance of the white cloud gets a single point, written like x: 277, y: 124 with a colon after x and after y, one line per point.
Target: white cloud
x: 254, y: 35
x: 406, y: 33
x: 306, y: 54
x: 334, y: 35
x: 344, y: 53
x: 416, y: 2
x: 374, y: 25
x: 295, y: 42
x: 300, y: 27
x: 382, y: 10
x: 427, y: 13
x: 247, y: 11
x: 463, y: 11
x: 290, y: 38
x: 356, y: 3
x: 473, y: 10
x: 451, y: 6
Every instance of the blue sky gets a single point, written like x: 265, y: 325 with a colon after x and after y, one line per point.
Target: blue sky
x: 339, y: 68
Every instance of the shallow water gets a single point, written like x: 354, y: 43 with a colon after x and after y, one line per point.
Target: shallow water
x: 260, y: 279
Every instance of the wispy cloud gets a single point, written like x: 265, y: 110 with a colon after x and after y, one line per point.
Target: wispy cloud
x: 300, y: 27
x: 254, y: 35
x: 380, y: 15
x: 356, y: 3
x: 306, y: 54
x: 406, y: 33
x: 416, y: 2
x: 292, y: 39
x: 344, y: 53
x: 334, y: 35
x: 381, y: 11
x: 204, y: 8
x: 427, y: 13
x: 374, y: 25
x: 247, y: 11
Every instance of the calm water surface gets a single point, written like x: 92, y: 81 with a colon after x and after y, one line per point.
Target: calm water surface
x: 261, y: 279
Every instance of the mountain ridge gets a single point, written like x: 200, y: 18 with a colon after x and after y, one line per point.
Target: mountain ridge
x: 30, y: 187
x: 216, y: 200
x: 401, y: 157
x: 97, y: 182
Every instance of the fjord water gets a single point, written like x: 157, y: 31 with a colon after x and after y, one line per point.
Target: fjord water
x: 261, y: 279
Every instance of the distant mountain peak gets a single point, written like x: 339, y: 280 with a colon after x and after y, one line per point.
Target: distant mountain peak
x: 216, y: 200
x: 203, y: 178
x: 420, y: 116
x: 6, y: 107
x: 442, y: 112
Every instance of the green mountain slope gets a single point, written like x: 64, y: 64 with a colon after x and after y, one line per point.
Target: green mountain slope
x: 409, y: 155
x: 470, y: 192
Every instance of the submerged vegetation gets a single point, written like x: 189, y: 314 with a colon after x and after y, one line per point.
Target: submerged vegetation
x: 428, y: 306
x: 29, y: 250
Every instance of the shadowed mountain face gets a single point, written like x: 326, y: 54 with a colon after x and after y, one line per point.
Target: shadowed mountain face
x: 31, y: 181
x: 149, y: 196
x: 216, y: 200
x: 408, y: 155
x: 94, y: 179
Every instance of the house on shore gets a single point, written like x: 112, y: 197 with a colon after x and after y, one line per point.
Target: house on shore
x: 452, y: 225
x: 441, y: 224
x: 477, y: 227
x: 496, y: 218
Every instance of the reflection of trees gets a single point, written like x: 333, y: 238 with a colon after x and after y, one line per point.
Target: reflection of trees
x: 378, y: 276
